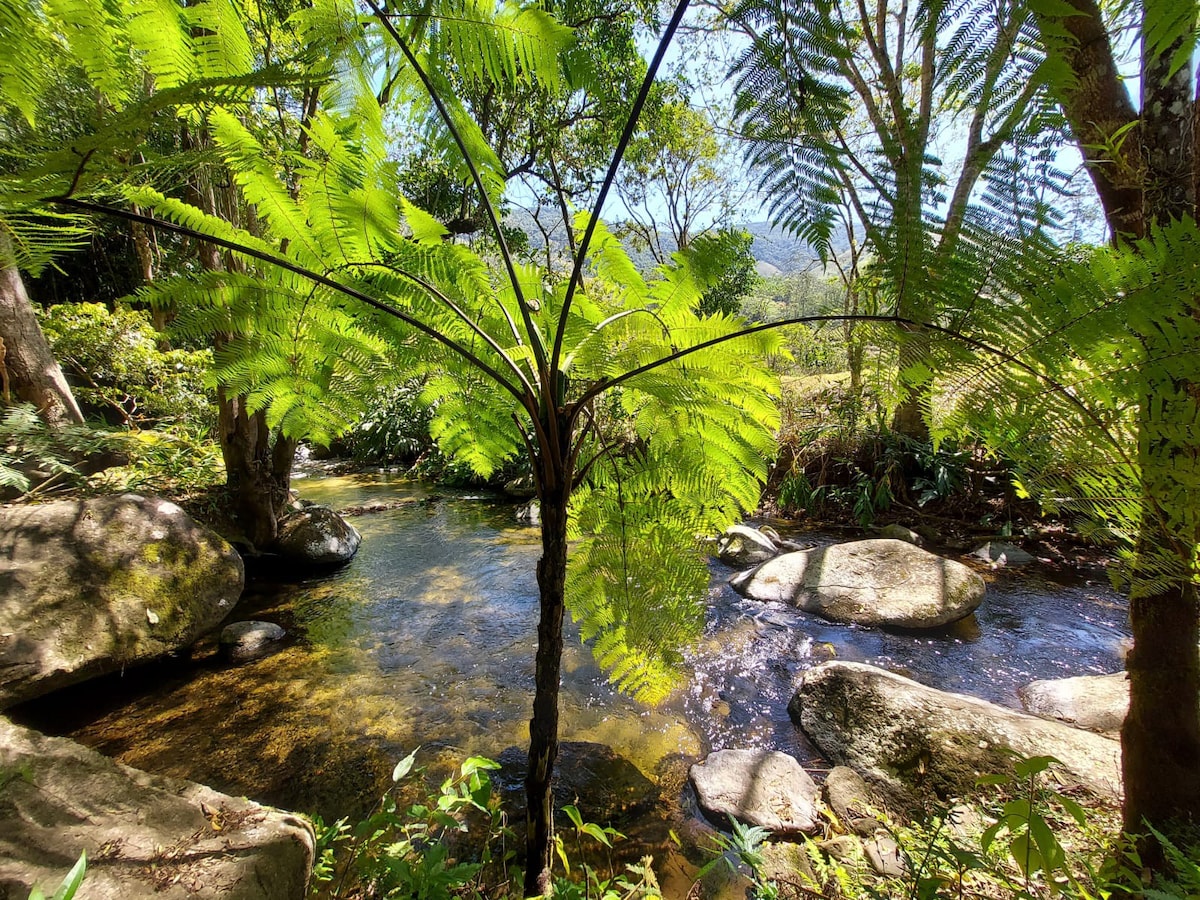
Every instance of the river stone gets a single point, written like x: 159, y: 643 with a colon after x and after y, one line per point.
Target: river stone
x: 89, y: 587
x: 883, y: 853
x: 606, y: 787
x: 851, y: 800
x: 250, y: 640
x: 910, y: 740
x: 316, y: 536
x: 874, y: 582
x: 1095, y: 702
x: 758, y: 787
x: 1001, y: 554
x: 900, y: 533
x: 145, y: 836
x: 522, y: 487
x: 742, y: 545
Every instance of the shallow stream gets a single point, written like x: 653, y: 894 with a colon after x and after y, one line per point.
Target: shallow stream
x: 427, y: 639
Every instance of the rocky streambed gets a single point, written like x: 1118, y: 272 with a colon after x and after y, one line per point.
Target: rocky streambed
x: 427, y: 639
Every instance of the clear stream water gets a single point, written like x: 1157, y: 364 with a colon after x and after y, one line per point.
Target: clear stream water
x: 427, y: 639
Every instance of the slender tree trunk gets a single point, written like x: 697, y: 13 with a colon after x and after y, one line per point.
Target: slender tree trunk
x: 543, y: 727
x: 28, y: 370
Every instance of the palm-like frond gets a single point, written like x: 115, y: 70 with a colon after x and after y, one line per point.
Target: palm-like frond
x: 1089, y: 340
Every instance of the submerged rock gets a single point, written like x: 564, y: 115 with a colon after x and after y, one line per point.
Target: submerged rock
x: 615, y: 789
x: 243, y: 641
x: 742, y: 545
x: 875, y: 582
x: 758, y: 787
x: 906, y: 738
x: 316, y: 536
x: 1095, y: 702
x: 145, y: 836
x: 1001, y: 554
x: 522, y: 487
x: 92, y: 586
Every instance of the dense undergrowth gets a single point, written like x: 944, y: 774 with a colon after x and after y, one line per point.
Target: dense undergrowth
x: 1017, y: 838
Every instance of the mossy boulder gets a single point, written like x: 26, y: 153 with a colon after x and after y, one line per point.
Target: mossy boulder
x: 93, y: 586
x: 316, y: 536
x: 875, y: 582
x: 909, y: 740
x: 145, y: 836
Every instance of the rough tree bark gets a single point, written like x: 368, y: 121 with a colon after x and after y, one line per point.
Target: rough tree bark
x: 1143, y: 166
x: 543, y: 727
x: 258, y: 470
x: 30, y: 372
x: 258, y: 465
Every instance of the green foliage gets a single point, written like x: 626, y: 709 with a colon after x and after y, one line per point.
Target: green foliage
x: 403, y: 850
x: 70, y: 884
x: 1096, y: 336
x: 734, y: 272
x: 119, y: 372
x: 393, y: 427
x: 455, y: 843
x: 35, y: 458
x: 180, y: 459
x: 636, y: 882
x: 1019, y: 840
x: 744, y: 845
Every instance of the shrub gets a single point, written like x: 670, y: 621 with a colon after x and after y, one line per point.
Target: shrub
x: 119, y: 372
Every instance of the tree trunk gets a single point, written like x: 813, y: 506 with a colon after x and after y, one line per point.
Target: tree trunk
x: 1160, y: 739
x: 1161, y: 735
x: 916, y: 383
x: 28, y: 370
x: 543, y: 727
x: 258, y: 471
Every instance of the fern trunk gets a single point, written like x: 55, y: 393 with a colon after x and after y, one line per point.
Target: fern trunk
x: 543, y: 727
x: 916, y: 384
x: 1161, y: 735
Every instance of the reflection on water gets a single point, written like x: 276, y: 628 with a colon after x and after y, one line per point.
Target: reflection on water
x: 428, y: 638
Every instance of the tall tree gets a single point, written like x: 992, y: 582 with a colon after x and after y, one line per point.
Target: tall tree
x: 1143, y: 160
x: 848, y: 107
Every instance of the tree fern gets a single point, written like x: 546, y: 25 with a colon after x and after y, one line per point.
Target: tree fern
x: 1092, y: 340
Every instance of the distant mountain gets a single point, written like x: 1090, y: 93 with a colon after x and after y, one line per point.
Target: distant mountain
x: 782, y: 251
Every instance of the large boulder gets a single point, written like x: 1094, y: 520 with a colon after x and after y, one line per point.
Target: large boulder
x: 875, y: 582
x: 758, y: 787
x: 1095, y: 702
x: 316, y: 536
x: 910, y: 739
x: 92, y: 586
x: 742, y: 545
x: 145, y: 836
